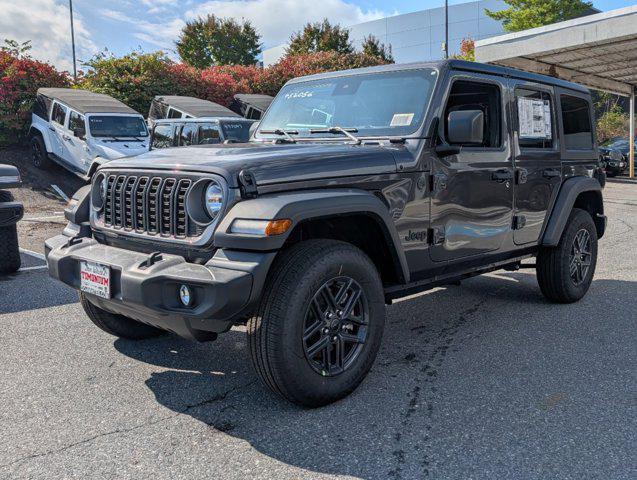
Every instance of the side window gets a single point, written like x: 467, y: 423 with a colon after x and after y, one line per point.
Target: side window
x: 535, y: 118
x: 163, y: 136
x: 58, y: 114
x: 187, y: 134
x: 172, y: 113
x: 76, y: 121
x: 468, y: 95
x: 208, y: 134
x: 576, y: 119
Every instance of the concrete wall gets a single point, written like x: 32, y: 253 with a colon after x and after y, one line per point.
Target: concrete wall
x: 419, y: 36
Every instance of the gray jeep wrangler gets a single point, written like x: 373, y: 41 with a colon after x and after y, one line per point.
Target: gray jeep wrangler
x: 10, y: 213
x: 357, y: 188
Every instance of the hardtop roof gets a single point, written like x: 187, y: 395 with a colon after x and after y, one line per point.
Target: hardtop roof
x: 203, y: 120
x: 86, y: 102
x: 260, y: 101
x: 449, y: 64
x: 196, y: 107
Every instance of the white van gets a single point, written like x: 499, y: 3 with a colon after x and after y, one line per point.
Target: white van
x: 80, y: 130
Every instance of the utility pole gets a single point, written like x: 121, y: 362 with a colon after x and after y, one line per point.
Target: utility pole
x: 73, y: 41
x: 446, y: 29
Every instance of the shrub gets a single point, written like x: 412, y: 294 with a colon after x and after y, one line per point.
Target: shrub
x: 20, y: 78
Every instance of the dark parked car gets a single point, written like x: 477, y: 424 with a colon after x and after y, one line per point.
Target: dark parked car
x: 250, y: 105
x: 358, y: 187
x: 10, y: 213
x: 615, y: 154
x: 199, y: 131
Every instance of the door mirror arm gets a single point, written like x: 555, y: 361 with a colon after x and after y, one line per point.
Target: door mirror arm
x: 446, y: 150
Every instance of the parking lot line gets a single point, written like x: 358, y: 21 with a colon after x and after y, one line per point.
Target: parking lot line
x: 32, y: 253
x: 28, y: 269
x: 60, y: 193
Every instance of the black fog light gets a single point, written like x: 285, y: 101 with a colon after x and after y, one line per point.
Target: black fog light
x: 185, y: 295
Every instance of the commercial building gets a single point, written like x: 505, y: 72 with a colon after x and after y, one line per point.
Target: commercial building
x: 419, y: 36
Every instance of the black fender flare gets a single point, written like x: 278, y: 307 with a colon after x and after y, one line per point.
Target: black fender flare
x: 570, y: 190
x: 305, y: 205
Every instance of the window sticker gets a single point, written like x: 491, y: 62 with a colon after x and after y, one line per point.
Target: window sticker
x: 535, y: 118
x: 401, y: 120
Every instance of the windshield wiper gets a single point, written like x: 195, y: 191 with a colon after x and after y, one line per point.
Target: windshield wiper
x: 286, y: 133
x: 341, y: 130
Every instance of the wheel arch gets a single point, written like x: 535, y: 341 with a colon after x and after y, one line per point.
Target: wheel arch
x: 576, y: 192
x: 35, y: 130
x: 356, y: 216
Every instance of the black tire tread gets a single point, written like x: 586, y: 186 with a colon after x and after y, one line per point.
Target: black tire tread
x: 118, y: 325
x: 10, y: 261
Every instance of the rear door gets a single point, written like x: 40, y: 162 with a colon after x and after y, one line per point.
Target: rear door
x: 536, y: 156
x: 472, y: 195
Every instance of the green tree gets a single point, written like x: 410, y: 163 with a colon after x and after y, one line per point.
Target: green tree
x: 15, y: 48
x: 218, y: 41
x: 372, y: 46
x: 320, y: 37
x: 612, y: 123
x: 524, y: 14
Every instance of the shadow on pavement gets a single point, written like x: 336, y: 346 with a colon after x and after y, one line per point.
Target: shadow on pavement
x: 34, y: 289
x: 413, y: 416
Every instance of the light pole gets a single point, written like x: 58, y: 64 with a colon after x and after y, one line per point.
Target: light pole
x: 73, y: 41
x: 446, y: 29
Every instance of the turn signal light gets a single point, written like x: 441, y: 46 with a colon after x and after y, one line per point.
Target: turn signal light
x: 277, y: 227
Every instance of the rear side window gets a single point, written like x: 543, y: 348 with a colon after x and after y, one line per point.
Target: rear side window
x: 576, y: 119
x: 187, y: 135
x: 535, y: 118
x: 208, y: 134
x: 163, y: 136
x: 58, y: 114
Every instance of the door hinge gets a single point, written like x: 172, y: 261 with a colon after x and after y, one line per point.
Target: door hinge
x: 519, y: 221
x: 247, y: 184
x: 436, y: 236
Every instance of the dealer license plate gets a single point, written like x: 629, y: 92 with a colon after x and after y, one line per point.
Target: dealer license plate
x: 95, y: 279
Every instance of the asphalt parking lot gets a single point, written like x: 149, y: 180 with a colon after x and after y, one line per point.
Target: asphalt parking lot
x: 483, y: 380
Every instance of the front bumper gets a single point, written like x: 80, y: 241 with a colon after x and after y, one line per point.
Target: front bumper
x: 10, y: 213
x: 224, y: 288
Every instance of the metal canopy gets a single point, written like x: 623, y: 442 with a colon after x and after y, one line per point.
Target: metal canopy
x: 598, y: 51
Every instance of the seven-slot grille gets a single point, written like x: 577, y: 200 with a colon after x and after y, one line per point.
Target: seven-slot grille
x: 148, y: 204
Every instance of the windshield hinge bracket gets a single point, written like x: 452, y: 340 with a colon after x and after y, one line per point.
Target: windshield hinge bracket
x: 247, y: 184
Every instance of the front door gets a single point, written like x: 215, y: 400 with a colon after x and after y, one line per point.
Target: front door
x: 537, y: 157
x: 472, y: 195
x: 57, y: 128
x: 76, y: 153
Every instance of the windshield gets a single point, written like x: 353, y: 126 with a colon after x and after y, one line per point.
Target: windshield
x: 616, y: 143
x: 375, y: 104
x: 236, y: 131
x: 117, y: 126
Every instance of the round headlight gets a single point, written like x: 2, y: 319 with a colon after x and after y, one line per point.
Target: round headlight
x: 213, y: 199
x: 98, y: 191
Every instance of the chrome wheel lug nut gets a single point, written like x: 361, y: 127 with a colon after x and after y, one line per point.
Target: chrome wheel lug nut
x: 326, y: 330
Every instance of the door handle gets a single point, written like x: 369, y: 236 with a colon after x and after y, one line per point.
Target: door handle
x: 52, y: 129
x: 550, y: 173
x: 66, y: 137
x: 501, y: 175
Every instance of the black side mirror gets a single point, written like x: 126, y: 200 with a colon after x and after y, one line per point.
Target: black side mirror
x: 466, y: 127
x: 79, y: 132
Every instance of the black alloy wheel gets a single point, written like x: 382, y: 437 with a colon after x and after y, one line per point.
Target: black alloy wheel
x: 581, y: 256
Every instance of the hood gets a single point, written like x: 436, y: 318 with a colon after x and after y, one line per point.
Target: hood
x: 112, y: 150
x: 270, y: 163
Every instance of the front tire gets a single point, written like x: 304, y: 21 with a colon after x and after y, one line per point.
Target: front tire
x: 118, y: 325
x: 565, y: 272
x: 320, y: 322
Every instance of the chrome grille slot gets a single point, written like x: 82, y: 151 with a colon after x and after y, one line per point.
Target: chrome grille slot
x: 148, y: 205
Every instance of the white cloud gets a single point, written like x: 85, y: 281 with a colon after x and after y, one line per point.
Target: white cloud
x: 47, y: 24
x: 162, y: 34
x: 276, y: 20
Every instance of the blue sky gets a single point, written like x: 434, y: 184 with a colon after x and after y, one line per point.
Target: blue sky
x: 124, y: 25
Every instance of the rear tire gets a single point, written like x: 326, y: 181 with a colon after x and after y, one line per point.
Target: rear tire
x: 39, y: 157
x: 118, y: 325
x: 329, y: 288
x: 565, y: 272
